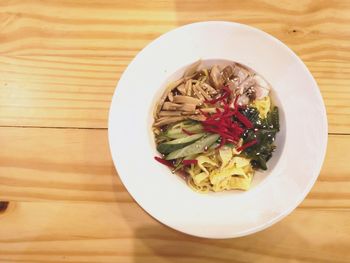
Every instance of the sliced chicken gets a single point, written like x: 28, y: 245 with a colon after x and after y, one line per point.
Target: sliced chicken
x: 244, y: 85
x: 262, y: 88
x: 227, y: 73
x: 243, y: 100
x: 239, y: 74
x: 216, y: 77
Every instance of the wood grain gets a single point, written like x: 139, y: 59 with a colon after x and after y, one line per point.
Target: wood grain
x: 79, y: 168
x: 60, y: 60
x: 52, y: 92
x: 62, y: 232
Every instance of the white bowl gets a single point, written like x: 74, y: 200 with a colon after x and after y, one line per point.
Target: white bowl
x: 301, y: 144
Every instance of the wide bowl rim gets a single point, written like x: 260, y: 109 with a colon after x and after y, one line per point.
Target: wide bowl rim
x: 324, y: 123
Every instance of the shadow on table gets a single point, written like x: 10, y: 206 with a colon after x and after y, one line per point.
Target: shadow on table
x: 158, y: 243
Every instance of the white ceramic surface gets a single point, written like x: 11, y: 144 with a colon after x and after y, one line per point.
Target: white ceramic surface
x: 301, y: 142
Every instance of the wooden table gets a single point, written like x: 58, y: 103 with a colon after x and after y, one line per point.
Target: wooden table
x: 60, y: 61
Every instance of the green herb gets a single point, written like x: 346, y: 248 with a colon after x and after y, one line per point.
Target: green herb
x: 264, y: 132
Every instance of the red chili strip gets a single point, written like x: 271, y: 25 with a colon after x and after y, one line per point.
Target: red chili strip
x: 229, y: 93
x: 187, y: 132
x: 211, y: 122
x: 246, y: 145
x: 227, y: 89
x: 222, y: 123
x: 230, y: 136
x: 238, y: 130
x: 235, y: 102
x: 246, y: 122
x: 229, y: 114
x: 189, y: 162
x: 165, y: 162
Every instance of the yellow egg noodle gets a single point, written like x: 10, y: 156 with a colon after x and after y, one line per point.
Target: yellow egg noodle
x: 263, y: 106
x: 220, y: 170
x: 223, y: 169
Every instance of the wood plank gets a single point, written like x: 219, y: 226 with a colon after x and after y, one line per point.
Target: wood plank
x: 79, y: 168
x: 46, y: 91
x: 60, y: 62
x: 66, y: 92
x: 63, y: 232
x: 315, y: 30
